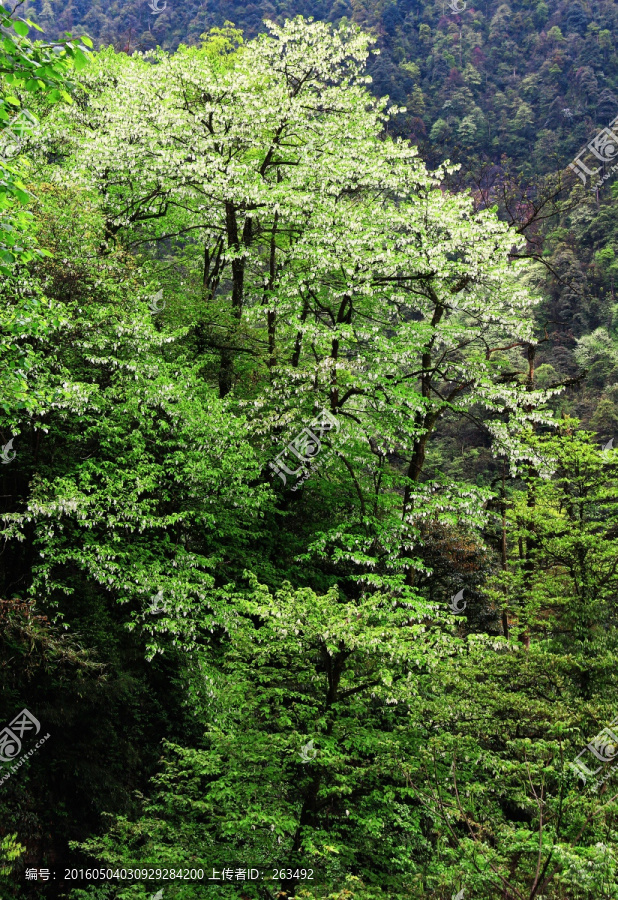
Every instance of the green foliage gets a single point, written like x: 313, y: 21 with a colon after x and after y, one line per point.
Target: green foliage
x: 26, y: 69
x: 277, y: 394
x: 10, y: 850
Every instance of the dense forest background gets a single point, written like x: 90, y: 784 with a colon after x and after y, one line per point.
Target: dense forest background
x: 232, y: 672
x: 519, y: 83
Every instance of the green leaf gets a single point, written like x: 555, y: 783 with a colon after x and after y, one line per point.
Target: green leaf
x: 80, y: 59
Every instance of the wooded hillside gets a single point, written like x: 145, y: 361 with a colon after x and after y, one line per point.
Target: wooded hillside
x: 308, y: 490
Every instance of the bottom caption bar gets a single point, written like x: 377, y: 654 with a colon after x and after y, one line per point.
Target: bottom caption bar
x: 225, y: 873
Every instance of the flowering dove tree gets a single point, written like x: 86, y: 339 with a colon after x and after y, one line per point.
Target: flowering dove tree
x: 327, y: 256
